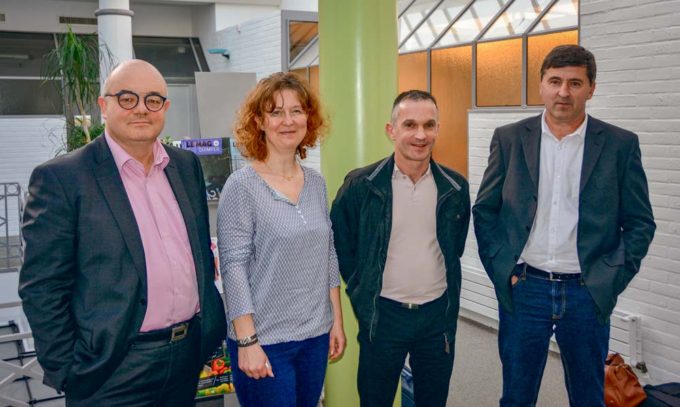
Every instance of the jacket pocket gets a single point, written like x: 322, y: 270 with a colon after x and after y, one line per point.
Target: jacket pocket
x: 615, y: 258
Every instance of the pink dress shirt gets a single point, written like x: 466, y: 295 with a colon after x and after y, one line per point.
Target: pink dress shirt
x: 172, y: 288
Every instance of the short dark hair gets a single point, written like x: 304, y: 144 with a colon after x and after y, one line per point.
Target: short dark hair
x: 570, y: 55
x: 413, y: 94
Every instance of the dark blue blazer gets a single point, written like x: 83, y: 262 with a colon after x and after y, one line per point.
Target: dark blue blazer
x: 83, y: 281
x: 615, y: 226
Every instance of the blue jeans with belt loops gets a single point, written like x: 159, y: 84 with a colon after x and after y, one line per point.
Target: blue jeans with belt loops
x: 540, y: 308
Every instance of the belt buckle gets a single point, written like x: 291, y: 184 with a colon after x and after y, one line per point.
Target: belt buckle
x: 553, y: 276
x: 179, y: 332
x: 409, y: 305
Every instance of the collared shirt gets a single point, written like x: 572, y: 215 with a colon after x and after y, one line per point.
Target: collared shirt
x: 277, y: 257
x: 552, y: 240
x: 172, y: 287
x: 414, y: 271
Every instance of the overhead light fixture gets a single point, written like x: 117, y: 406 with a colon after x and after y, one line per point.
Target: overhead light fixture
x: 23, y: 57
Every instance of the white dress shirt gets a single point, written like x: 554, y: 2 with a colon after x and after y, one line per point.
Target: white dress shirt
x: 552, y: 240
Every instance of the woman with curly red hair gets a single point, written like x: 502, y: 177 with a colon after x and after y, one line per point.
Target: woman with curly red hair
x: 278, y: 261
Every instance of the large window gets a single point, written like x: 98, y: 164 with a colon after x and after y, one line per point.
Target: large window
x: 478, y: 54
x: 176, y: 58
x: 299, y: 39
x: 508, y: 38
x: 471, y: 54
x: 23, y: 92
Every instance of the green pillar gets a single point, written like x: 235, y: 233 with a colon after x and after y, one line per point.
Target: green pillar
x: 358, y: 82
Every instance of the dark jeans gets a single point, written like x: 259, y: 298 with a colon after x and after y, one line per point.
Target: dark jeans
x: 299, y: 369
x: 417, y: 332
x: 152, y: 374
x: 542, y: 307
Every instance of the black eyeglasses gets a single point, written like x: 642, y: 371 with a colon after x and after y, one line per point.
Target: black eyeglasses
x: 128, y: 100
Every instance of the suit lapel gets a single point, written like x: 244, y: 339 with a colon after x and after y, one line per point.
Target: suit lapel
x: 189, y: 216
x: 531, y: 144
x: 112, y: 188
x: 592, y: 148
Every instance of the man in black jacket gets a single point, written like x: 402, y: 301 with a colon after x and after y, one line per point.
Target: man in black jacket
x: 400, y: 226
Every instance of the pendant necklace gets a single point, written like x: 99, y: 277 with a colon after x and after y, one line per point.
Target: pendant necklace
x: 286, y: 177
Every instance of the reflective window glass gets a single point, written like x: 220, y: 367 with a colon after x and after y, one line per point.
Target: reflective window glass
x: 538, y: 46
x: 516, y: 19
x: 499, y: 73
x: 302, y: 72
x: 21, y: 54
x: 562, y: 15
x: 200, y: 54
x: 300, y: 34
x: 434, y: 25
x: 29, y: 97
x: 451, y: 79
x: 173, y: 57
x: 414, y: 15
x: 472, y: 22
x: 412, y: 70
x: 401, y: 6
x: 308, y: 56
x: 314, y: 78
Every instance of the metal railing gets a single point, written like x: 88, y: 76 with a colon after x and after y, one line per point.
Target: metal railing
x: 11, y: 208
x: 29, y: 369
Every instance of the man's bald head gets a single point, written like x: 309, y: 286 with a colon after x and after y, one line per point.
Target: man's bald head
x: 121, y: 72
x: 133, y: 105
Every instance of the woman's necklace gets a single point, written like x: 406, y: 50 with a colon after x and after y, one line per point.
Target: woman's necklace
x: 286, y: 177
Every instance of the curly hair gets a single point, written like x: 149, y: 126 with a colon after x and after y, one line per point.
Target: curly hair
x: 250, y: 138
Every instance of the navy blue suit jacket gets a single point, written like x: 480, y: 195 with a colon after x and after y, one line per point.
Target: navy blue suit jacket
x: 615, y: 225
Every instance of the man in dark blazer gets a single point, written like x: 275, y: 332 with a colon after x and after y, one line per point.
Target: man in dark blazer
x: 118, y: 275
x: 562, y: 221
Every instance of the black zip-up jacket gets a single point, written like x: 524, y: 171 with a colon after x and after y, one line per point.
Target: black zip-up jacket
x: 362, y: 222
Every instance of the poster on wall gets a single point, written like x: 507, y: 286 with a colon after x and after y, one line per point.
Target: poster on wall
x: 217, y: 157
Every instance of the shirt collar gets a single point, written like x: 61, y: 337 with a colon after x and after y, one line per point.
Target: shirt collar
x: 580, y: 132
x: 396, y: 172
x: 122, y: 157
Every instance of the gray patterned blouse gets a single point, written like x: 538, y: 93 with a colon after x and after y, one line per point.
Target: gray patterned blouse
x: 277, y: 259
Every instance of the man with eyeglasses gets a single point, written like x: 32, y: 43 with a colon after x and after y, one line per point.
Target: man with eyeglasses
x: 117, y: 281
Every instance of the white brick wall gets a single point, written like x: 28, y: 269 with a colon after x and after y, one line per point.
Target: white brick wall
x: 477, y: 294
x: 637, y: 47
x: 26, y: 142
x: 254, y: 46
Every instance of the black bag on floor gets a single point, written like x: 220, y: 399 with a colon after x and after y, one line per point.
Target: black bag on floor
x: 663, y: 395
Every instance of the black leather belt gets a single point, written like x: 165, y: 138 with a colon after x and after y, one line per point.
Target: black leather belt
x: 548, y: 275
x: 172, y: 333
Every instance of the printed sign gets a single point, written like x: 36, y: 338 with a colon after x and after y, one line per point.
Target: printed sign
x: 203, y: 146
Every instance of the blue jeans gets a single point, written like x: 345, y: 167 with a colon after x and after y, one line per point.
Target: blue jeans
x: 299, y: 369
x: 540, y: 308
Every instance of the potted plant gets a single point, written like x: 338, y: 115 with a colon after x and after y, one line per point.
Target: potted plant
x: 73, y: 66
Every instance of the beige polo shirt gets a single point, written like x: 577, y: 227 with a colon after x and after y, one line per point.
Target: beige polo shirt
x: 414, y: 271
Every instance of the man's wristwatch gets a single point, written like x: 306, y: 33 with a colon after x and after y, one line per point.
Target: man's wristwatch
x: 247, y: 341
